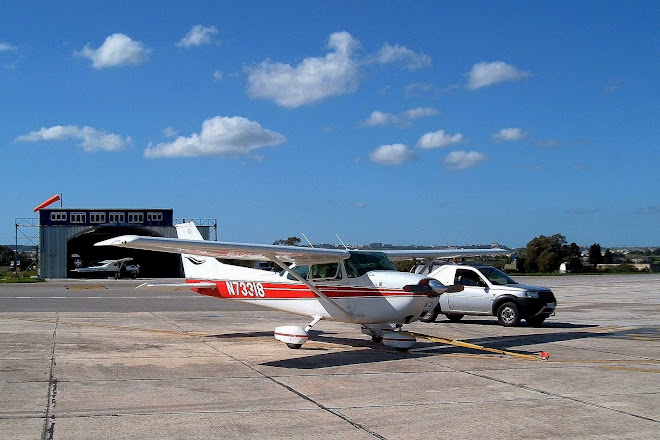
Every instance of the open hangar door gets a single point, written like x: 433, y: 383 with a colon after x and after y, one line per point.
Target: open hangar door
x: 152, y: 264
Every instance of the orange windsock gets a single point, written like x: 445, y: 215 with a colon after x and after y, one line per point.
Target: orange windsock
x: 45, y: 203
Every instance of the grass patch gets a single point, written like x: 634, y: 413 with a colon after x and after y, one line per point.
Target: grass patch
x: 29, y: 276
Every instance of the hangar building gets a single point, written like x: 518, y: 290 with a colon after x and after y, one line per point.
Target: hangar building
x: 67, y: 237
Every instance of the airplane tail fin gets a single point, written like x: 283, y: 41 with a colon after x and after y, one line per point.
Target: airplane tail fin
x: 197, y: 266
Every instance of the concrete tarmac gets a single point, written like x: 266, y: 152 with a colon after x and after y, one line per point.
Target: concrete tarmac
x: 99, y: 359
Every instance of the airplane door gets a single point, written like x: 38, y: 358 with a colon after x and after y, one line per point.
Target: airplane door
x: 474, y: 298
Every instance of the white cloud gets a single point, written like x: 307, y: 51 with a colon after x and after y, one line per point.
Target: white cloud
x: 197, y: 36
x: 218, y: 75
x: 510, y: 135
x: 419, y: 112
x: 92, y: 139
x: 403, y: 119
x: 7, y: 47
x: 439, y: 139
x: 379, y: 118
x: 485, y: 74
x: 411, y: 59
x: 461, y: 160
x: 220, y: 136
x: 117, y: 50
x: 396, y: 154
x: 314, y: 79
x: 170, y: 132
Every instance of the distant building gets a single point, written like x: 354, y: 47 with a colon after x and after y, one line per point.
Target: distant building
x: 67, y: 237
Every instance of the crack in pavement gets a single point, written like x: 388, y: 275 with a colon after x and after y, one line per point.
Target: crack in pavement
x: 49, y: 416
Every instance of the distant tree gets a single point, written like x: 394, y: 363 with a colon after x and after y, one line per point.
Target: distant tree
x: 549, y: 261
x: 595, y: 254
x: 550, y: 247
x: 404, y: 265
x: 608, y: 258
x: 6, y: 255
x: 573, y: 255
x: 291, y: 241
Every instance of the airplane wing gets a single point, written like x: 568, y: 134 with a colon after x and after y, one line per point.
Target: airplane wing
x: 432, y: 254
x: 226, y: 250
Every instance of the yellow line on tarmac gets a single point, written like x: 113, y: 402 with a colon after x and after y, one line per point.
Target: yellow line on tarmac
x: 458, y: 343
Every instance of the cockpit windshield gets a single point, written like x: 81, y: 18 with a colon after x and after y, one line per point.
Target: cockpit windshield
x: 496, y: 276
x: 362, y: 262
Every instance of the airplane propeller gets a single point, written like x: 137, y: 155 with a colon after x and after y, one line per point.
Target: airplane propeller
x: 432, y: 287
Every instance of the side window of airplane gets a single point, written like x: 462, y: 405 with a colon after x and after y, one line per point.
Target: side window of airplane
x: 325, y: 272
x: 362, y: 262
x: 303, y: 271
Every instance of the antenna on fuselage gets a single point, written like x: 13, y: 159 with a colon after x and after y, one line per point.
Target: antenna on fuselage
x: 342, y: 242
x: 310, y: 243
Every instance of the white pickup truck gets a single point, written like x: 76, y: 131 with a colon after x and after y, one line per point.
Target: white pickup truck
x: 489, y: 291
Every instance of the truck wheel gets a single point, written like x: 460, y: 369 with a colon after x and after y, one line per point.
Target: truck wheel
x: 429, y: 316
x: 454, y: 317
x: 536, y: 321
x: 508, y: 315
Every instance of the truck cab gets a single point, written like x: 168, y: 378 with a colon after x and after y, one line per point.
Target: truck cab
x: 489, y: 291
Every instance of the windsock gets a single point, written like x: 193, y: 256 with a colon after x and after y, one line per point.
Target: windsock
x: 45, y: 203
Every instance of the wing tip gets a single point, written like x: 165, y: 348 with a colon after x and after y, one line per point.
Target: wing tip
x: 117, y: 241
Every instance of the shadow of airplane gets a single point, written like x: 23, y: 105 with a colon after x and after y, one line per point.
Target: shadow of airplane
x: 241, y: 335
x: 375, y: 352
x: 268, y: 334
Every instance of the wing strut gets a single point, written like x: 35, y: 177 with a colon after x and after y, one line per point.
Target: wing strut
x: 314, y: 289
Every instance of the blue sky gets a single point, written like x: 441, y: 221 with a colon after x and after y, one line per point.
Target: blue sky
x: 421, y: 122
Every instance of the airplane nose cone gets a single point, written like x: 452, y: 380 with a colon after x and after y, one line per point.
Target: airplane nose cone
x: 429, y: 286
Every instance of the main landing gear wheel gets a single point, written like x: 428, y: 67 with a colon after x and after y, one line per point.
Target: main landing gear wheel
x: 377, y: 339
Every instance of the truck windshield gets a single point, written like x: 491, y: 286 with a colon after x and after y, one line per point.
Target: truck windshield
x: 496, y: 276
x: 362, y: 262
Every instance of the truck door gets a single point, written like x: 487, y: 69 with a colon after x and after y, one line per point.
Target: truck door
x: 474, y: 298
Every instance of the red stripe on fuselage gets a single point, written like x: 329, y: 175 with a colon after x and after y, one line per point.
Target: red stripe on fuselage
x: 292, y: 291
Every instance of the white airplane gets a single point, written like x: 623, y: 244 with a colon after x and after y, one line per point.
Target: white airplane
x: 116, y: 268
x: 360, y: 287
